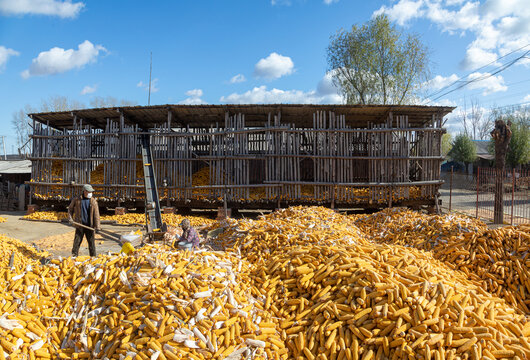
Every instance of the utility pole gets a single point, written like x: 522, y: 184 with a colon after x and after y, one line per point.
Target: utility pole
x: 4, y: 146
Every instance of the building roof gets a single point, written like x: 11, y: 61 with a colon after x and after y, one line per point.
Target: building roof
x: 255, y: 115
x: 15, y: 166
x: 482, y: 149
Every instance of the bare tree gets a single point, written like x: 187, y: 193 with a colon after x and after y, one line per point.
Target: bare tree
x: 60, y: 103
x: 109, y: 101
x: 464, y: 118
x: 22, y: 125
x: 476, y: 125
x: 485, y: 128
x: 475, y: 118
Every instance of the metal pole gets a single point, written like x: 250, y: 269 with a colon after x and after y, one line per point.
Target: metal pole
x: 451, y: 189
x: 513, y: 192
x: 478, y: 184
x: 4, y: 143
x: 150, y: 71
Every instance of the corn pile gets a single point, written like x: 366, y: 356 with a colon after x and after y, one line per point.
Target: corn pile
x: 412, y: 228
x: 350, y: 194
x: 339, y: 296
x: 97, y: 175
x: 288, y: 227
x: 53, y: 174
x: 127, y: 219
x: 195, y: 221
x: 366, y: 301
x: 2, y: 219
x: 157, y: 303
x: 169, y: 219
x: 47, y: 215
x: 23, y: 255
x: 300, y: 283
x: 498, y: 259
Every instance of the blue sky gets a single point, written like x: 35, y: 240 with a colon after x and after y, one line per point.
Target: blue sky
x: 243, y: 51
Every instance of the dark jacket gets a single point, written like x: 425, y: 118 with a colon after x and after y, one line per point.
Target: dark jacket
x: 74, y: 212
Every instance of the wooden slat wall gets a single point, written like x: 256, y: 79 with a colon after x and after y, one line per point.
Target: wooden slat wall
x: 290, y: 158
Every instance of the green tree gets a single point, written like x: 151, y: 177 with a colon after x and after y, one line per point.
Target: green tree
x: 463, y: 150
x: 447, y: 143
x: 519, y: 147
x: 377, y: 64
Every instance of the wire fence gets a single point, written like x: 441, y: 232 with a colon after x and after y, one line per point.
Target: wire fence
x: 474, y: 194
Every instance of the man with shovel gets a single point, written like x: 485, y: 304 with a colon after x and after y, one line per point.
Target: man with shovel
x: 83, y: 213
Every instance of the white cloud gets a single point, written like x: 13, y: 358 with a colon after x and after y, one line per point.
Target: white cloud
x: 325, y: 93
x: 467, y: 17
x: 281, y: 2
x: 482, y: 81
x: 289, y: 2
x: 403, y: 11
x: 194, y: 93
x: 497, y: 26
x: 439, y: 82
x: 477, y: 57
x: 239, y: 78
x: 89, y: 89
x: 58, y: 60
x: 274, y: 66
x: 5, y: 54
x: 526, y: 98
x: 325, y: 85
x: 145, y: 86
x: 193, y: 97
x: 439, y: 102
x: 63, y: 9
x: 490, y: 84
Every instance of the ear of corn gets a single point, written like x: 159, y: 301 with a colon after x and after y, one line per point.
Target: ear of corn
x: 301, y: 283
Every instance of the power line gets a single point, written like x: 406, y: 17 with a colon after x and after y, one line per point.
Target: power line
x: 476, y: 70
x: 483, y: 77
x: 511, y: 105
x: 473, y: 71
x: 470, y: 95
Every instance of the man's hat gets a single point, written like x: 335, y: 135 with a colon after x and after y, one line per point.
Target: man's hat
x: 88, y: 188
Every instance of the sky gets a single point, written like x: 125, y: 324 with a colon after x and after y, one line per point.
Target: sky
x: 259, y: 51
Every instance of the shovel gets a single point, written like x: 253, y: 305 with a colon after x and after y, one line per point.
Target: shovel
x: 105, y: 233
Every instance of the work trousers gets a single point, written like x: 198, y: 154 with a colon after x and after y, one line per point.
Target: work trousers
x: 78, y: 239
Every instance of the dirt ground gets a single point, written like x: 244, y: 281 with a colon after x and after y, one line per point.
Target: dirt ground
x: 58, y: 238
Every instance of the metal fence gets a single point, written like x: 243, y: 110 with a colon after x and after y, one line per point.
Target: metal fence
x: 474, y: 194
